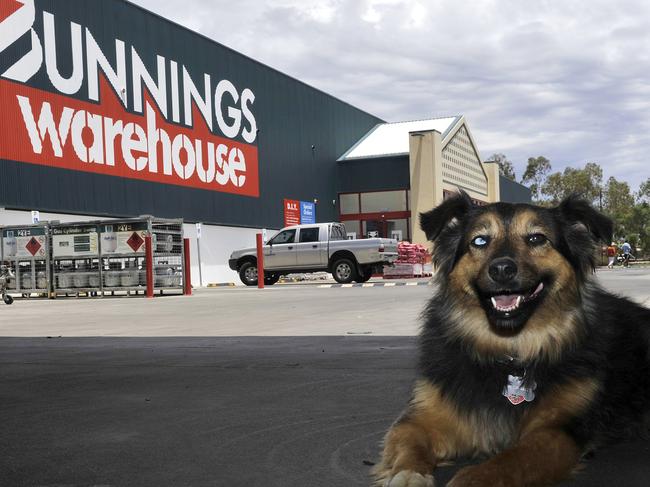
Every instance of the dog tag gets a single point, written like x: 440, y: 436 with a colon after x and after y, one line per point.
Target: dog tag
x: 516, y: 392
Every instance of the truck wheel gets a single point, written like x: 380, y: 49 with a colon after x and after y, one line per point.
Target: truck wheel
x: 7, y: 299
x: 248, y: 273
x: 270, y: 279
x: 365, y: 274
x: 344, y: 271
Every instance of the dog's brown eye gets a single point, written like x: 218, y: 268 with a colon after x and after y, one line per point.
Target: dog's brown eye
x: 536, y: 239
x: 480, y: 241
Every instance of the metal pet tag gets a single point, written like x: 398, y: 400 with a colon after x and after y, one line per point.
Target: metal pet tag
x: 515, y: 391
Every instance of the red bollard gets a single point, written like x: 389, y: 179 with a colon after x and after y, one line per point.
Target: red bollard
x: 260, y: 262
x: 187, y: 278
x: 148, y: 257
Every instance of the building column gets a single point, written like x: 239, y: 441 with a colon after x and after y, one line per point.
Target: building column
x: 493, y: 183
x: 425, y: 167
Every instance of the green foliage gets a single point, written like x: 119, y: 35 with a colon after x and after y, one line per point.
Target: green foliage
x: 630, y: 212
x: 644, y: 192
x: 618, y: 205
x: 586, y: 182
x: 536, y: 170
x: 638, y: 222
x: 505, y: 166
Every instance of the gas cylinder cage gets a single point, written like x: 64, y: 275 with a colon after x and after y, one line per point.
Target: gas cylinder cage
x: 94, y: 258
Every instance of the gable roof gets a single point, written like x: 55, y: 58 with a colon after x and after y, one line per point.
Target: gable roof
x: 392, y: 139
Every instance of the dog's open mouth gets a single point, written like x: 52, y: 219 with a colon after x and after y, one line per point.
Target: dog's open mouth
x: 509, y: 309
x: 509, y: 303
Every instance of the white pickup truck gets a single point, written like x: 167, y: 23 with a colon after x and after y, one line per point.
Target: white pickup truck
x: 313, y: 248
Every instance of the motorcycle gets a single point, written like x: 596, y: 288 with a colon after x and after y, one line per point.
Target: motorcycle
x: 5, y: 275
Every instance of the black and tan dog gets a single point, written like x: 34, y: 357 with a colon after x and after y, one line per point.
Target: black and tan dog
x: 523, y: 357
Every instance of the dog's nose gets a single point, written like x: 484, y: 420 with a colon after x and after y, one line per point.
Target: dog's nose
x: 502, y: 270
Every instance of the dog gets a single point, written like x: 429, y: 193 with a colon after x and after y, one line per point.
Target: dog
x: 524, y: 359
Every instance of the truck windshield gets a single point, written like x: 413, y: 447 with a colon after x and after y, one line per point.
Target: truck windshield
x: 287, y: 236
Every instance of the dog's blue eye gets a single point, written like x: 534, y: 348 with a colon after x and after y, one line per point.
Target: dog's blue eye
x: 480, y: 241
x: 536, y: 239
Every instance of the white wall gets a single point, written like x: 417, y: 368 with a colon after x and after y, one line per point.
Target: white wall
x: 217, y: 243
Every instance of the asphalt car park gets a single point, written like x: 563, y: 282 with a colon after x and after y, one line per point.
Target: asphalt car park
x: 293, y: 385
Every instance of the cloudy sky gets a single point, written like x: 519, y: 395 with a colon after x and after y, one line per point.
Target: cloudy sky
x: 568, y: 80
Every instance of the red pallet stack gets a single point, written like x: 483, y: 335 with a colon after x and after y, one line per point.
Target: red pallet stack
x: 413, y: 261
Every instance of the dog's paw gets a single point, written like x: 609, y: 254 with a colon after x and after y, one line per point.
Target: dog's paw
x: 409, y: 478
x: 480, y: 476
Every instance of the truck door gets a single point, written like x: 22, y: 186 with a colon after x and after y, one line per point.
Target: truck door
x: 280, y: 253
x: 309, y: 248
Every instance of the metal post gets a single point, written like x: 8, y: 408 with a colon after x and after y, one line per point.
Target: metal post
x: 198, y: 254
x: 148, y: 258
x: 187, y: 277
x: 260, y: 262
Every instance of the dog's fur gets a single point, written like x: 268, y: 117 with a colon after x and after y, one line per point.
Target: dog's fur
x: 586, y: 351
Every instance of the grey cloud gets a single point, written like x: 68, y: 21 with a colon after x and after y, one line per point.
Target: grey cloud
x: 567, y: 80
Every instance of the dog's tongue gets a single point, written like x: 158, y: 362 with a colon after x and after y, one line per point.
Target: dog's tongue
x: 506, y: 300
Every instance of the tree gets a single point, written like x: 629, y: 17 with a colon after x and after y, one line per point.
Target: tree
x: 585, y: 182
x: 505, y: 166
x: 535, y: 173
x: 619, y: 204
x: 638, y: 224
x: 644, y: 192
x: 553, y: 188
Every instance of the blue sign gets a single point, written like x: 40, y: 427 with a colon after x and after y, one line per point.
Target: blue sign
x: 307, y: 212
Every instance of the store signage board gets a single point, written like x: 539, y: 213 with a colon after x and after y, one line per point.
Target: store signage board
x: 291, y: 212
x: 72, y: 121
x: 307, y: 212
x: 123, y: 238
x: 299, y: 212
x: 75, y: 241
x: 24, y: 243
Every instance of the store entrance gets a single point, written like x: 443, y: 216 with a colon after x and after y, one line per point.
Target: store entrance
x: 375, y: 228
x: 385, y: 228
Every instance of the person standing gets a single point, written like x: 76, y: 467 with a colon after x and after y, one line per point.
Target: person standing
x: 611, y: 255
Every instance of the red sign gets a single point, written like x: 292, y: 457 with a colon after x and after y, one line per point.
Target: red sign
x: 291, y: 212
x: 33, y: 246
x: 54, y: 130
x: 135, y: 241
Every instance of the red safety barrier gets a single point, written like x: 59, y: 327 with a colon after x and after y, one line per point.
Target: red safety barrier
x: 260, y: 261
x: 148, y: 255
x: 187, y: 278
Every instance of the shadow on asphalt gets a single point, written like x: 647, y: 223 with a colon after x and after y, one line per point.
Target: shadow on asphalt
x: 231, y: 412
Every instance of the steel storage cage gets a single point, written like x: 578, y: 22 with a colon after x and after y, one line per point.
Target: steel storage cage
x: 26, y: 251
x: 123, y: 258
x: 168, y: 254
x: 75, y: 258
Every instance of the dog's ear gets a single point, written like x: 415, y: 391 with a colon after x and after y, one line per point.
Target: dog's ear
x: 583, y: 228
x: 433, y: 222
x: 575, y: 210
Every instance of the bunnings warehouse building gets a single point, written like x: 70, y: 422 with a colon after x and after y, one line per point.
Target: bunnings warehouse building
x: 109, y: 110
